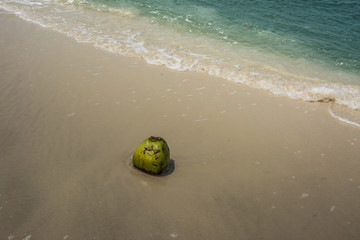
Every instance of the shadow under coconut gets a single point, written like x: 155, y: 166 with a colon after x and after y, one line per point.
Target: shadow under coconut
x: 169, y: 170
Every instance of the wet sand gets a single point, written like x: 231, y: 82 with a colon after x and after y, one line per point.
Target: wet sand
x: 248, y: 165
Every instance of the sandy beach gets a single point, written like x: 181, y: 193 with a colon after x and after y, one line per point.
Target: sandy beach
x: 248, y: 164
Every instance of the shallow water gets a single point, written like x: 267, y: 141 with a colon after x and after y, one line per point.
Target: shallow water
x: 303, y: 50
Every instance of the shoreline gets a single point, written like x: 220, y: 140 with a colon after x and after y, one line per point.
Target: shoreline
x: 248, y: 164
x: 281, y: 75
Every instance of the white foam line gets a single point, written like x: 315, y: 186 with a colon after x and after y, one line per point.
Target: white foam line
x: 342, y: 119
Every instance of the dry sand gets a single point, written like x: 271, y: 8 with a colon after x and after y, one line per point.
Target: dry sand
x: 248, y: 165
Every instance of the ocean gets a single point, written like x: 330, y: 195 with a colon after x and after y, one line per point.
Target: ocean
x: 308, y: 50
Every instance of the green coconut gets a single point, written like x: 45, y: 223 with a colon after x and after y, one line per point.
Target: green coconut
x: 152, y: 155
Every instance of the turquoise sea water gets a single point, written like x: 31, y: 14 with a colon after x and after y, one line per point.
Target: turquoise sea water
x: 325, y: 32
x: 303, y: 49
